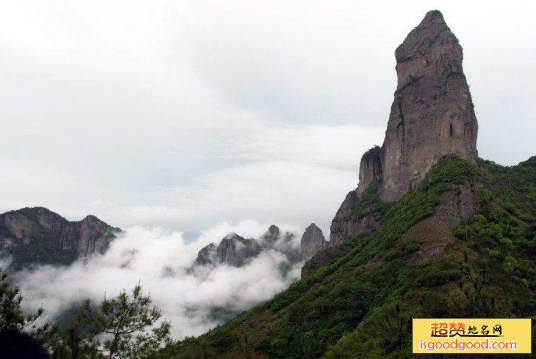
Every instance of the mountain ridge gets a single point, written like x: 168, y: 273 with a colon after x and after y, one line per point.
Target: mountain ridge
x: 37, y: 235
x: 432, y: 116
x: 236, y: 251
x: 431, y: 231
x: 349, y: 306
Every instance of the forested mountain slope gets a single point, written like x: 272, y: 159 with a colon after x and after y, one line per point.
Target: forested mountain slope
x: 419, y: 263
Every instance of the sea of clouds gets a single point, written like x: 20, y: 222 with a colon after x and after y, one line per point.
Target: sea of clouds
x: 161, y: 262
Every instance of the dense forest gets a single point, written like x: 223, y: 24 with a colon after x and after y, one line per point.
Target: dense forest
x: 361, y: 302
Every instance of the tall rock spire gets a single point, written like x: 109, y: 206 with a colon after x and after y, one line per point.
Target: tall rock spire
x: 432, y: 115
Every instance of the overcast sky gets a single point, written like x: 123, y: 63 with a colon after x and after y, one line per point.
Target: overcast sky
x: 185, y: 114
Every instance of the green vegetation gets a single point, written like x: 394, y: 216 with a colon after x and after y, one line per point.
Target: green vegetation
x: 41, y: 251
x: 11, y: 315
x: 361, y: 303
x: 124, y: 327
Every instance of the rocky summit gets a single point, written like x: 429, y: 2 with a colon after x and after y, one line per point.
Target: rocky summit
x: 432, y: 231
x: 232, y: 250
x: 237, y: 251
x: 312, y: 241
x: 39, y: 236
x: 432, y: 116
x: 271, y: 236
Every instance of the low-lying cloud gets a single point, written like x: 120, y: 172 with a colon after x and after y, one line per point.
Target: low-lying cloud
x: 160, y: 261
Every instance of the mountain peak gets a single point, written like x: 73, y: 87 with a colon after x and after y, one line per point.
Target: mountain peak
x: 432, y: 113
x: 312, y: 241
x: 432, y: 33
x: 432, y: 116
x: 273, y: 230
x: 432, y: 17
x: 231, y: 235
x: 271, y: 235
x: 91, y: 218
x: 29, y: 232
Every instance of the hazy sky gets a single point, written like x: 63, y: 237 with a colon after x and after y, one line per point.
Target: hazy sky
x: 185, y: 114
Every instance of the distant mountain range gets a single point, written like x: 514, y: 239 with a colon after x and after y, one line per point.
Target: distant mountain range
x: 35, y: 236
x: 237, y: 251
x: 431, y: 231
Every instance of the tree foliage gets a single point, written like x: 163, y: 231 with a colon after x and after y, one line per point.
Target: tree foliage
x: 125, y: 327
x: 12, y: 317
x: 359, y: 304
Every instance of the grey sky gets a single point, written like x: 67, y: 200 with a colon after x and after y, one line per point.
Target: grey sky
x: 185, y: 114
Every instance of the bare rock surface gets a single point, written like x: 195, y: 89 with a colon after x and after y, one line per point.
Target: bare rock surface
x: 235, y: 250
x: 312, y: 241
x: 39, y: 236
x: 432, y: 116
x: 207, y: 255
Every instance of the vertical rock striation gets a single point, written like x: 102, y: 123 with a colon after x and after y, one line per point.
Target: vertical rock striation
x: 235, y: 250
x: 312, y: 241
x: 271, y: 236
x: 207, y: 255
x: 432, y: 115
x: 39, y: 236
x: 370, y: 168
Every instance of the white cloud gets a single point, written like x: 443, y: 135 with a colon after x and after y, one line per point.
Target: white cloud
x: 287, y: 193
x: 290, y: 175
x: 109, y: 106
x: 184, y: 114
x: 159, y: 260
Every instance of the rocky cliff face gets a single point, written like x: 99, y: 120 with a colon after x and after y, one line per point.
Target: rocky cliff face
x: 207, y: 255
x: 432, y: 115
x: 346, y: 223
x: 269, y: 238
x: 370, y: 168
x: 40, y: 236
x: 237, y: 251
x: 312, y: 241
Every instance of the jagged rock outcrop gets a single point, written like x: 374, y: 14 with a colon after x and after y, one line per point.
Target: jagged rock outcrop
x: 207, y: 255
x: 370, y: 168
x: 95, y: 236
x: 40, y: 236
x: 432, y: 115
x: 232, y: 250
x: 436, y: 232
x: 321, y: 258
x: 312, y: 241
x: 236, y: 251
x: 433, y: 231
x: 345, y: 224
x: 269, y: 238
